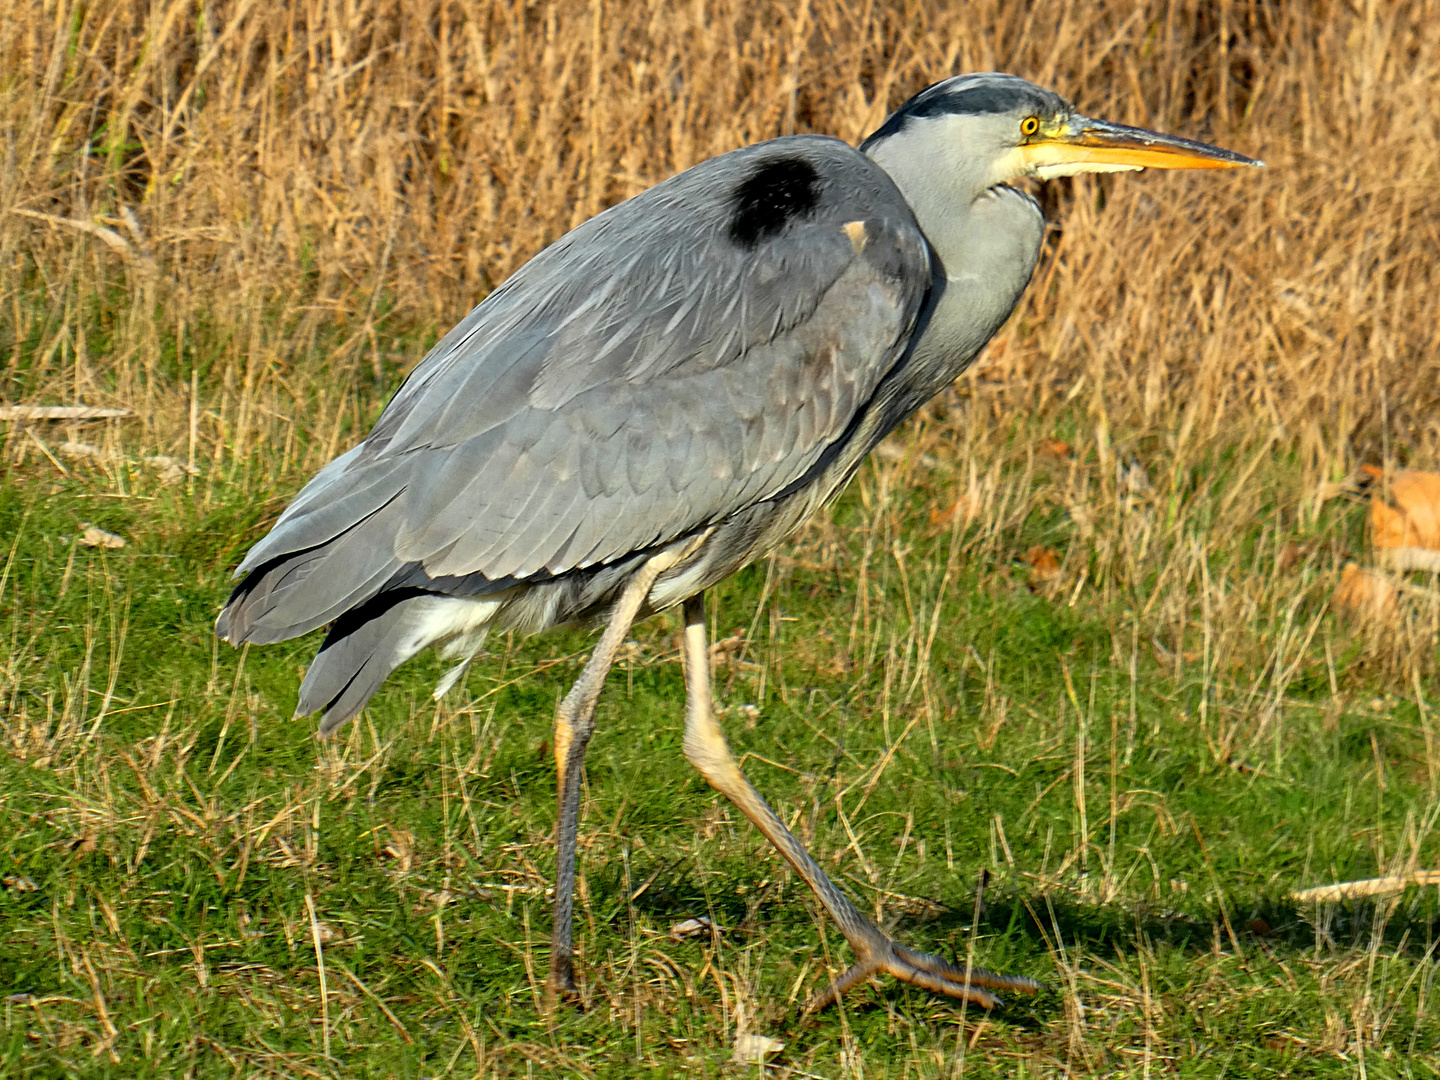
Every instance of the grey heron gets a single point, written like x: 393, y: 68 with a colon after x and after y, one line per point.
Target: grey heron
x: 662, y: 396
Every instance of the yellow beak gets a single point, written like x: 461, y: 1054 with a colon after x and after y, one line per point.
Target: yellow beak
x: 1086, y: 145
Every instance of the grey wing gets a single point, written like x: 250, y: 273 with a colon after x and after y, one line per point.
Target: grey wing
x: 669, y: 363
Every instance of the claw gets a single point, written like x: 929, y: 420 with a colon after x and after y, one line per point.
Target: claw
x: 859, y: 972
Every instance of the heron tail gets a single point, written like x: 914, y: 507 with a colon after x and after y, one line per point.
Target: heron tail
x: 365, y: 645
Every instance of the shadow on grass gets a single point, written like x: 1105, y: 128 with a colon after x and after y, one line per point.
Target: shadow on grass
x: 1027, y: 922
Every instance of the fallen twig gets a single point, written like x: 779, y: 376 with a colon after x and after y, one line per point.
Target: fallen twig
x: 110, y: 237
x: 60, y: 412
x: 1355, y: 890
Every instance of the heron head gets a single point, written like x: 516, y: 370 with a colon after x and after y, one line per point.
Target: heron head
x: 989, y: 128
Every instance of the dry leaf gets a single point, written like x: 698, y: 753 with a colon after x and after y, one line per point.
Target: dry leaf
x: 756, y: 1048
x: 690, y: 927
x: 1417, y: 521
x: 962, y: 510
x: 401, y: 848
x: 1084, y: 519
x: 96, y: 537
x: 80, y: 450
x: 1365, y: 594
x: 1293, y: 553
x: 1044, y: 565
x: 725, y: 651
x: 1131, y: 479
x: 427, y: 901
x: 1056, y: 448
x: 172, y: 470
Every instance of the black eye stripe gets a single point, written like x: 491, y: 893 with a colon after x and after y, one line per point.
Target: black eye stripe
x: 972, y: 96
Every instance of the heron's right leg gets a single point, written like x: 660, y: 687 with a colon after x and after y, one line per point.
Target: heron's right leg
x: 574, y: 724
x: 876, y: 952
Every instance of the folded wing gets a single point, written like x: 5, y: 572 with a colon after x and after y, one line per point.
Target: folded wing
x: 669, y: 363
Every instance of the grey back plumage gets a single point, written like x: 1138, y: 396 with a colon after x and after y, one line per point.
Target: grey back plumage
x: 676, y: 359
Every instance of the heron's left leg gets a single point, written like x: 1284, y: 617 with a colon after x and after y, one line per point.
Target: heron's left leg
x: 574, y: 724
x: 706, y: 749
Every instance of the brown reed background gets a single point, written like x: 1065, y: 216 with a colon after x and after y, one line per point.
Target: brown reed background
x: 278, y: 201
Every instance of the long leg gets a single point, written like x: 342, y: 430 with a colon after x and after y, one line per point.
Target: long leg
x: 706, y: 749
x: 574, y: 723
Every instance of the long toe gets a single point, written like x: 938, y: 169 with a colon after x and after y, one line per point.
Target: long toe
x: 927, y: 971
x: 939, y: 984
x: 974, y: 977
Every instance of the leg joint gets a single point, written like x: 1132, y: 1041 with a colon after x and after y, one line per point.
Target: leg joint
x: 706, y: 749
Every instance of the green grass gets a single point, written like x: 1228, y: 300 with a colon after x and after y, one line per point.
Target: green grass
x: 1142, y: 806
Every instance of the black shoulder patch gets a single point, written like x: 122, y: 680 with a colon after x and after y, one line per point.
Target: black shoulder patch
x: 777, y: 193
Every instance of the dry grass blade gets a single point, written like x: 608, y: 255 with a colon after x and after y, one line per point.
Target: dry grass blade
x: 110, y: 237
x: 317, y: 941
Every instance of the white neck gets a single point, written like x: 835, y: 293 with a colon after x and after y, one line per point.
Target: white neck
x: 986, y: 239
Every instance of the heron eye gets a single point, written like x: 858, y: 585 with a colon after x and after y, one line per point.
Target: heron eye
x: 1029, y: 126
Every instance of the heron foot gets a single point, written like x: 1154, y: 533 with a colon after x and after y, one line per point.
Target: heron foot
x: 560, y: 985
x: 882, y: 955
x: 561, y: 990
x: 875, y: 951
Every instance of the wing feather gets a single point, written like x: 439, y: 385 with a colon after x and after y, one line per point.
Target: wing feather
x: 646, y: 376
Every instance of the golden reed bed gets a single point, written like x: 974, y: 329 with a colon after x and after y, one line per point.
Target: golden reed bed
x: 290, y: 188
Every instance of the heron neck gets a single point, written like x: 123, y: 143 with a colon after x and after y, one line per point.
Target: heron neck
x: 985, y: 240
x: 987, y: 256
